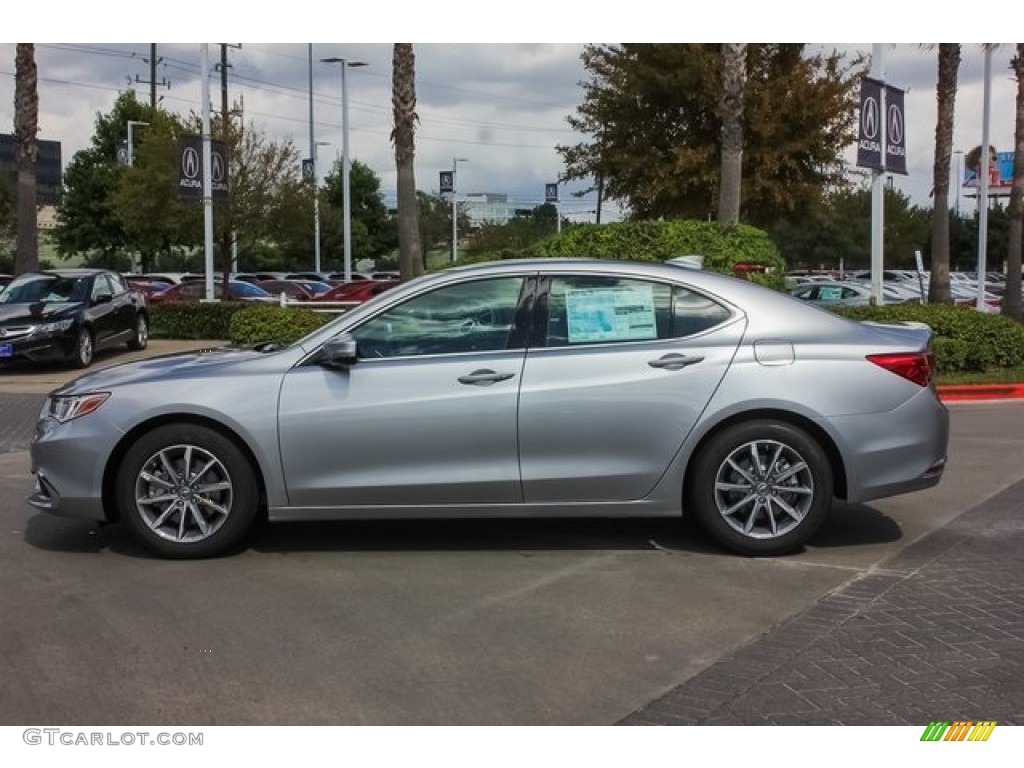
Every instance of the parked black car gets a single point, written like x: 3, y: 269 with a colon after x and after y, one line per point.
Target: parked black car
x: 68, y: 314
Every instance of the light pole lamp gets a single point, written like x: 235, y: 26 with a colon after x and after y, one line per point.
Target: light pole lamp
x: 131, y: 139
x: 455, y: 212
x: 346, y: 163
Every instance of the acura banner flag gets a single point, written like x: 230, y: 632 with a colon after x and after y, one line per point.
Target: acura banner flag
x: 881, y: 135
x: 895, y: 132
x: 190, y: 168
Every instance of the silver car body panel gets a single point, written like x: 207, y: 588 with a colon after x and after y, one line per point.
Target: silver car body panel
x: 585, y: 431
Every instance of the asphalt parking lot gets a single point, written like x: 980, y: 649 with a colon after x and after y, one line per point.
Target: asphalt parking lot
x: 900, y: 611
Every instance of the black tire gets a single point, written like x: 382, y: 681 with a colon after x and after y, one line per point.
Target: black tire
x: 768, y: 506
x: 85, y: 349
x: 205, y: 516
x: 140, y: 337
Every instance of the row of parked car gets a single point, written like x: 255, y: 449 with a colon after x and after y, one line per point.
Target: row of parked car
x: 898, y: 286
x: 265, y: 286
x: 67, y: 315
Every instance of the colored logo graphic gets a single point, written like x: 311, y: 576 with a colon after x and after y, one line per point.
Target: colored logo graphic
x: 959, y: 730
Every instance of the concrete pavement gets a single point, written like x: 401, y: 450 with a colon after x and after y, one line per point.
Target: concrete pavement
x: 904, y: 612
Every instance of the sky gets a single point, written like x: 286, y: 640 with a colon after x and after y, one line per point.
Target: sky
x: 499, y: 104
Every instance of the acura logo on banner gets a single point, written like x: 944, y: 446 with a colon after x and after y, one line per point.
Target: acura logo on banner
x: 869, y: 138
x: 550, y: 193
x: 876, y: 127
x: 895, y: 132
x: 190, y: 177
x: 447, y: 182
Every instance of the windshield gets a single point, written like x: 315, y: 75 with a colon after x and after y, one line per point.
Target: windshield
x: 29, y: 289
x: 243, y: 288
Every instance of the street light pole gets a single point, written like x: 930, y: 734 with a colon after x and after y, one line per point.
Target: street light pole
x: 455, y: 212
x: 312, y: 159
x: 131, y: 139
x: 959, y: 177
x: 346, y: 160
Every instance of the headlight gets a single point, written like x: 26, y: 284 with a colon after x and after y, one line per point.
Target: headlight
x: 67, y: 407
x: 58, y: 326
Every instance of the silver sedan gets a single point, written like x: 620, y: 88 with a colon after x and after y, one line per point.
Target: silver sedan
x: 543, y: 388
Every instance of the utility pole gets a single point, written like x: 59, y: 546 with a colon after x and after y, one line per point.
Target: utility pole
x: 225, y: 128
x: 153, y: 82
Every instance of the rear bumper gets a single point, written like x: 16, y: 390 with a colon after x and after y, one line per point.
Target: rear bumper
x: 896, y: 452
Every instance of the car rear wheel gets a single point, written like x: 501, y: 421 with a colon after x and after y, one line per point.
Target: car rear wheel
x: 761, y: 487
x: 84, y: 349
x: 186, y: 491
x: 140, y: 338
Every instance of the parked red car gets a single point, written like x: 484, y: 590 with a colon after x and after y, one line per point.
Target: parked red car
x: 359, y: 291
x: 196, y: 291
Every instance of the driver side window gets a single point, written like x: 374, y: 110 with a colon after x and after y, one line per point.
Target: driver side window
x: 469, y: 317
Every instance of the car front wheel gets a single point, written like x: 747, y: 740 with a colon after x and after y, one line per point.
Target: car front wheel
x: 187, y: 491
x: 761, y: 487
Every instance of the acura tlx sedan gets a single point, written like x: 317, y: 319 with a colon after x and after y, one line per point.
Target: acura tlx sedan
x: 541, y: 388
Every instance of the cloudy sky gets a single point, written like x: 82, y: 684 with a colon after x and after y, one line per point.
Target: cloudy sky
x: 501, y: 105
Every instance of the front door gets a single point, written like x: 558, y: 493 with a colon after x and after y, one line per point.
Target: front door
x: 427, y: 415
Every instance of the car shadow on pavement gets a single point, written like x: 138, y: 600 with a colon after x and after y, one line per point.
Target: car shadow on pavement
x: 849, y: 525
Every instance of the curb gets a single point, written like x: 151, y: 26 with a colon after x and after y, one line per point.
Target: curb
x: 958, y: 392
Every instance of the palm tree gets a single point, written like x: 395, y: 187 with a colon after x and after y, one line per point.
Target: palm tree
x: 1012, y: 297
x: 403, y: 103
x: 26, y: 126
x: 945, y: 91
x: 730, y: 106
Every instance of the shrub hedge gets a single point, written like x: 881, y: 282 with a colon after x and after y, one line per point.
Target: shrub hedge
x: 965, y: 340
x: 269, y: 322
x: 721, y: 247
x: 193, y: 320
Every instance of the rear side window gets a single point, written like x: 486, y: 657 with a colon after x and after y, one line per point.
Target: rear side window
x: 584, y: 309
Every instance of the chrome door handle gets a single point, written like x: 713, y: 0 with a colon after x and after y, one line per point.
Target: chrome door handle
x: 674, y: 361
x: 484, y: 377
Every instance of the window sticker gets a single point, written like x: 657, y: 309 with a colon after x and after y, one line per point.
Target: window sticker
x: 610, y: 314
x: 831, y: 293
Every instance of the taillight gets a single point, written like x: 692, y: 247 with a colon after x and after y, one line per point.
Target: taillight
x: 917, y: 367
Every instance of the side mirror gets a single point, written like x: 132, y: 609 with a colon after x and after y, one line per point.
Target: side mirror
x: 339, y: 352
x: 103, y: 298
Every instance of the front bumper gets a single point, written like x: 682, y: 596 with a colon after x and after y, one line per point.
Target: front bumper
x: 39, y: 348
x: 68, y: 461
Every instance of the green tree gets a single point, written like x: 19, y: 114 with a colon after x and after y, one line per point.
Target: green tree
x: 653, y: 110
x: 8, y: 224
x: 374, y: 232
x: 86, y: 219
x: 154, y: 218
x: 840, y: 232
x: 435, y: 220
x: 520, y: 232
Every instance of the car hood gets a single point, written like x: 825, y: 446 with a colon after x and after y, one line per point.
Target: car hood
x: 179, y: 365
x: 25, y: 314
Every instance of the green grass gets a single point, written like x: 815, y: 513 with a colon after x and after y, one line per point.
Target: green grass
x: 997, y: 376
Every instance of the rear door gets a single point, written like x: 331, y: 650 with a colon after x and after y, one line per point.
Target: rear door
x: 617, y: 374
